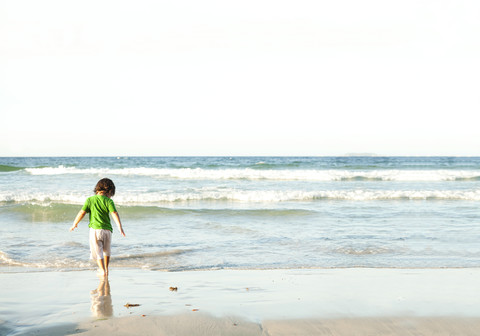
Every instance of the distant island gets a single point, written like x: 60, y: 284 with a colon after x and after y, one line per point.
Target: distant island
x: 361, y: 154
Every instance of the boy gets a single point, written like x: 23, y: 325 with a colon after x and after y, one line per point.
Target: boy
x: 99, y: 207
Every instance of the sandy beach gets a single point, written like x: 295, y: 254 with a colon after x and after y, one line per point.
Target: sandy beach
x: 251, y: 302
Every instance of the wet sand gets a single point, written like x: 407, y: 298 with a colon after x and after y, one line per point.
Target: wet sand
x: 242, y: 302
x: 199, y: 324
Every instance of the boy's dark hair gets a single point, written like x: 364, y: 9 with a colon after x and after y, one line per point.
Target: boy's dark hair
x: 106, y: 185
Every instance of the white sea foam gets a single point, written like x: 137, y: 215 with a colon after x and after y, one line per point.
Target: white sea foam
x: 271, y: 174
x: 369, y: 250
x: 6, y: 260
x: 299, y: 195
x: 153, y: 198
x: 57, y: 262
x: 41, y: 197
x: 145, y: 260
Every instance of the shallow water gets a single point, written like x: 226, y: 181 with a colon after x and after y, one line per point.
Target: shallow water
x: 189, y: 213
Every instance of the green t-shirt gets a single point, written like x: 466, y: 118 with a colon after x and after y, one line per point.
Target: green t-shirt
x: 99, y: 208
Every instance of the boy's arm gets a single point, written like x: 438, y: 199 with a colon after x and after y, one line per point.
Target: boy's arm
x: 117, y: 220
x: 77, y: 220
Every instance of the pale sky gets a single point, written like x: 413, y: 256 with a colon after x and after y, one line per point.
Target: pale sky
x: 250, y: 77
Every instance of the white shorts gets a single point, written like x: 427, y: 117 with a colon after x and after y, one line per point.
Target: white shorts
x: 100, y: 242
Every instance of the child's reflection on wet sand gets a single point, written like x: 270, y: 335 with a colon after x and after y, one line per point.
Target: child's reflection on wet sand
x: 102, y: 300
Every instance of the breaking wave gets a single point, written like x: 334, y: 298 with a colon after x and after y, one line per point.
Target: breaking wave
x: 209, y: 195
x: 269, y: 174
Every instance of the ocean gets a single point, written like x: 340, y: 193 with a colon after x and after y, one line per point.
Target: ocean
x: 210, y: 213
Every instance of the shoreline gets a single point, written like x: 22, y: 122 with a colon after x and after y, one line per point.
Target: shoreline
x: 272, y: 300
x: 9, y: 269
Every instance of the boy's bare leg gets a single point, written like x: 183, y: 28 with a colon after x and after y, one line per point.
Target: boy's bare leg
x: 101, y: 267
x: 107, y: 261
